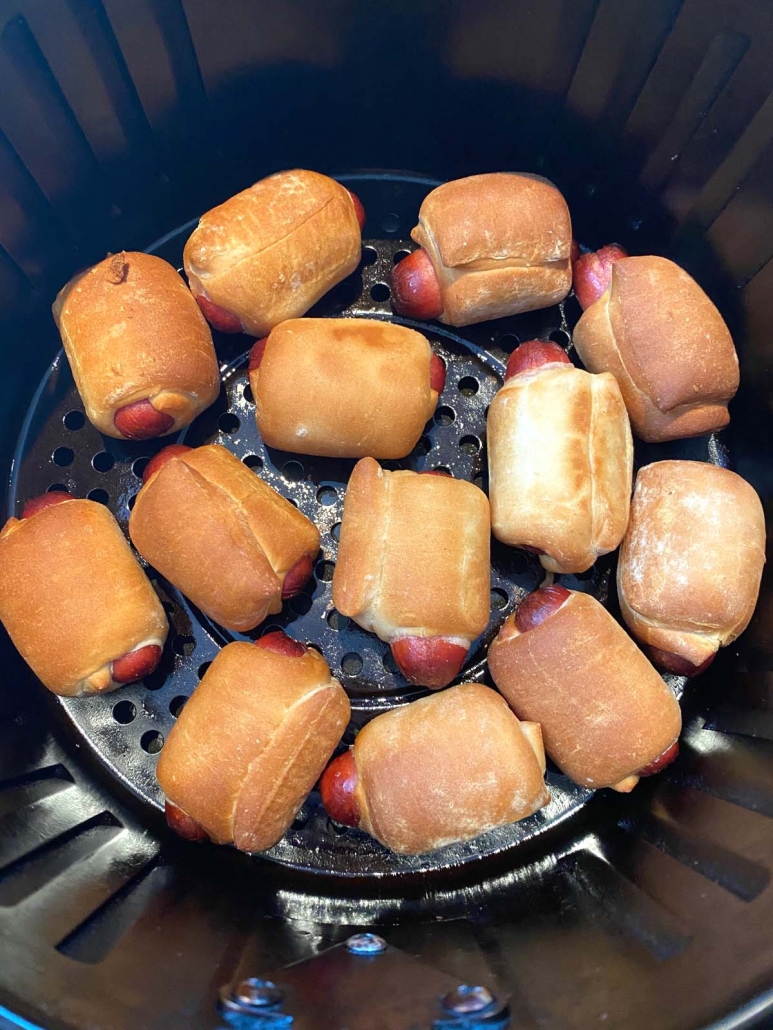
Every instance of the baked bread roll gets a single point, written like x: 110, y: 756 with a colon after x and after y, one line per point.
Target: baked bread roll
x: 413, y: 566
x: 251, y: 742
x: 221, y: 535
x: 74, y: 600
x: 443, y: 769
x: 607, y: 717
x: 491, y: 245
x: 140, y: 351
x: 691, y: 562
x: 666, y: 344
x: 272, y: 251
x: 344, y: 387
x: 560, y: 458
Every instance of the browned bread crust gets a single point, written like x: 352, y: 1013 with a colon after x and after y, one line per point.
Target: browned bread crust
x: 251, y: 742
x: 73, y: 597
x: 343, y: 388
x: 605, y: 713
x: 666, y: 344
x: 132, y: 331
x: 691, y: 562
x: 273, y: 250
x: 500, y: 243
x: 560, y: 458
x: 446, y: 768
x: 414, y: 555
x: 221, y: 535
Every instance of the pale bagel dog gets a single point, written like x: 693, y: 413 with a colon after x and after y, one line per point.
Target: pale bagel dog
x: 491, y: 245
x: 606, y: 715
x: 251, y: 742
x: 443, y: 769
x: 344, y: 387
x: 691, y: 562
x: 560, y: 456
x: 273, y: 250
x: 666, y: 344
x: 139, y: 348
x: 221, y: 535
x: 413, y: 566
x: 74, y: 599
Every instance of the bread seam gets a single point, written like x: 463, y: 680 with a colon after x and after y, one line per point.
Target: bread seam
x: 263, y: 250
x: 441, y: 271
x: 447, y: 275
x: 73, y: 357
x: 512, y: 262
x: 151, y: 396
x: 591, y: 475
x: 387, y: 520
x: 274, y: 787
x: 641, y: 396
x: 613, y: 336
x: 696, y: 628
x: 242, y: 515
x: 11, y: 526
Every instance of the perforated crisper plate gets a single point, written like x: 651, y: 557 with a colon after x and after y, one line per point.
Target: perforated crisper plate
x: 126, y: 729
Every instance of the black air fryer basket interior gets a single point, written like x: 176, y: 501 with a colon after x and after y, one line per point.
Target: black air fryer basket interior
x: 120, y: 122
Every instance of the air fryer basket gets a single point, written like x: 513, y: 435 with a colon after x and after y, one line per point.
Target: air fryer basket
x: 122, y: 120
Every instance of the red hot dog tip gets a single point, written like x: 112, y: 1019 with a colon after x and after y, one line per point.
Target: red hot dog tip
x: 534, y: 354
x: 218, y: 317
x: 48, y: 500
x: 592, y: 273
x: 359, y: 210
x: 297, y: 577
x: 675, y: 664
x: 159, y: 460
x: 279, y: 642
x: 659, y: 764
x: 415, y: 287
x: 437, y: 374
x: 256, y: 353
x: 182, y: 824
x: 429, y: 661
x: 337, y: 790
x: 539, y: 606
x: 136, y: 664
x: 141, y: 421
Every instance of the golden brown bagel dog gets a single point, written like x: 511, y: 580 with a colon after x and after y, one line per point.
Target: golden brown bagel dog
x: 344, y: 387
x: 140, y: 351
x: 413, y: 566
x: 251, y: 742
x: 272, y: 251
x: 606, y: 715
x: 691, y: 562
x: 668, y: 347
x: 74, y: 599
x: 443, y: 769
x: 491, y: 245
x: 221, y: 535
x: 560, y: 458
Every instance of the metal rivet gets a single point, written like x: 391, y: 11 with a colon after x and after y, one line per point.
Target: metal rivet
x: 366, y: 944
x: 257, y: 994
x: 466, y: 1000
